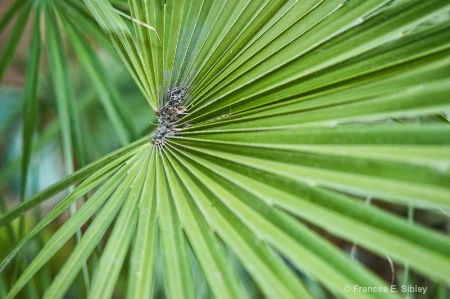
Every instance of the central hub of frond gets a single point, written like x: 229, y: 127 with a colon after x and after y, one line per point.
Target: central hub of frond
x: 170, y: 114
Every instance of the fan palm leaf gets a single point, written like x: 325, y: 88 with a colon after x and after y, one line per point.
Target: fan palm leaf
x: 297, y: 114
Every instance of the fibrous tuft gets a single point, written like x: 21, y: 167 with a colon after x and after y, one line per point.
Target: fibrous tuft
x: 170, y: 114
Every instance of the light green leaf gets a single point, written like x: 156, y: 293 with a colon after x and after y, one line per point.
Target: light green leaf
x: 177, y: 274
x: 95, y: 231
x: 210, y: 254
x: 143, y: 255
x: 103, y: 166
x: 30, y: 108
x: 113, y: 255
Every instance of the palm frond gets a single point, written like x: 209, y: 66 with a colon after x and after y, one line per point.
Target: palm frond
x: 297, y: 114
